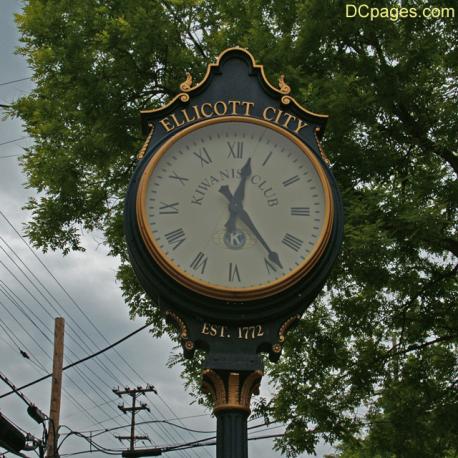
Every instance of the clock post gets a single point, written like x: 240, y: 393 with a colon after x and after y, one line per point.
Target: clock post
x: 233, y: 221
x: 231, y: 392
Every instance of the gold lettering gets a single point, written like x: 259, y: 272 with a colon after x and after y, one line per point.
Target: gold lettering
x: 288, y: 119
x: 196, y: 111
x: 264, y: 113
x: 217, y: 111
x: 205, y: 329
x: 234, y: 104
x: 213, y: 330
x: 166, y: 124
x: 186, y: 116
x: 248, y: 106
x: 223, y: 331
x: 202, y: 109
x: 300, y: 125
x: 177, y: 123
x: 278, y: 116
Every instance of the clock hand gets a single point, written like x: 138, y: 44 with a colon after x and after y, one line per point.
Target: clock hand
x: 272, y: 255
x: 230, y: 223
x: 243, y: 215
x: 239, y: 193
x: 235, y: 201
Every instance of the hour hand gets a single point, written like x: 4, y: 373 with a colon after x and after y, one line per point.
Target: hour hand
x: 230, y: 223
x: 226, y: 192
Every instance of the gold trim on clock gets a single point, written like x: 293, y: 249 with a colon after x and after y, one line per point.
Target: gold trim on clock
x: 223, y: 292
x: 283, y: 90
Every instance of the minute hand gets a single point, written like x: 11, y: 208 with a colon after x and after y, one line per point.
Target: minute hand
x: 245, y: 217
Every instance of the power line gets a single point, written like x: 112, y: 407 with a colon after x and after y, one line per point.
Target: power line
x: 155, y: 421
x: 8, y: 293
x: 84, y: 347
x: 90, y: 383
x: 165, y: 431
x: 98, y: 432
x: 39, y: 365
x: 10, y: 155
x: 46, y: 353
x: 164, y: 449
x: 105, y: 430
x: 12, y: 141
x: 15, y: 81
x: 76, y: 362
x: 14, y: 341
x: 93, y: 387
x: 98, y: 331
x: 37, y: 414
x: 23, y: 328
x: 108, y: 371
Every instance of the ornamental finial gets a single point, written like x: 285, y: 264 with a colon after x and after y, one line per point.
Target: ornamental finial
x: 186, y: 85
x: 284, y: 88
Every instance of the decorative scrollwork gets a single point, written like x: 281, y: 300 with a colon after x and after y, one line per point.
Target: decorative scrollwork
x: 323, y: 154
x: 214, y: 384
x: 179, y: 322
x: 277, y: 347
x: 231, y: 390
x: 285, y: 326
x: 143, y: 149
x: 286, y: 100
x: 284, y: 88
x: 250, y: 386
x: 185, y: 86
x: 184, y: 97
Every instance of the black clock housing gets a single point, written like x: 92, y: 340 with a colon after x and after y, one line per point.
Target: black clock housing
x: 210, y: 322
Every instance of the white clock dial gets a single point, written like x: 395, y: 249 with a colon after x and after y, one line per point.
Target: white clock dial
x: 235, y: 206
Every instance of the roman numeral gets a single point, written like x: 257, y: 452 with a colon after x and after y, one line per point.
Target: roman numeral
x: 290, y: 180
x: 300, y: 211
x: 203, y: 156
x: 233, y: 272
x: 269, y: 266
x: 199, y: 262
x: 292, y: 242
x: 266, y: 159
x: 182, y: 180
x: 175, y: 238
x: 235, y: 150
x: 168, y: 209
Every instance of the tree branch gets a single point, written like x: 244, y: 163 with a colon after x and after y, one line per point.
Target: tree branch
x: 418, y: 134
x: 188, y: 32
x: 413, y: 347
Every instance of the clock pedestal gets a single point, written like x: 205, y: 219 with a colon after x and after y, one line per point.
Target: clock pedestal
x: 231, y: 392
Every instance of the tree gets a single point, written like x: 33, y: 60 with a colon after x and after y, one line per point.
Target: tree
x: 376, y: 354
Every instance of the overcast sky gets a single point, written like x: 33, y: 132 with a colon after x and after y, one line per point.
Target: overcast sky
x: 91, y: 302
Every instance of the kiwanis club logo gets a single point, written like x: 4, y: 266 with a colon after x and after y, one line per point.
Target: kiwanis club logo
x: 235, y: 240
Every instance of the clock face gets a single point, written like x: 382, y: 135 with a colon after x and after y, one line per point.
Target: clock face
x: 234, y: 208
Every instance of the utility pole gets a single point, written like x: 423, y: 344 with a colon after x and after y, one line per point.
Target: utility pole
x: 134, y: 393
x: 56, y: 387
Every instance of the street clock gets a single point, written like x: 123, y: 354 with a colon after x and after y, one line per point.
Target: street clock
x: 233, y: 217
